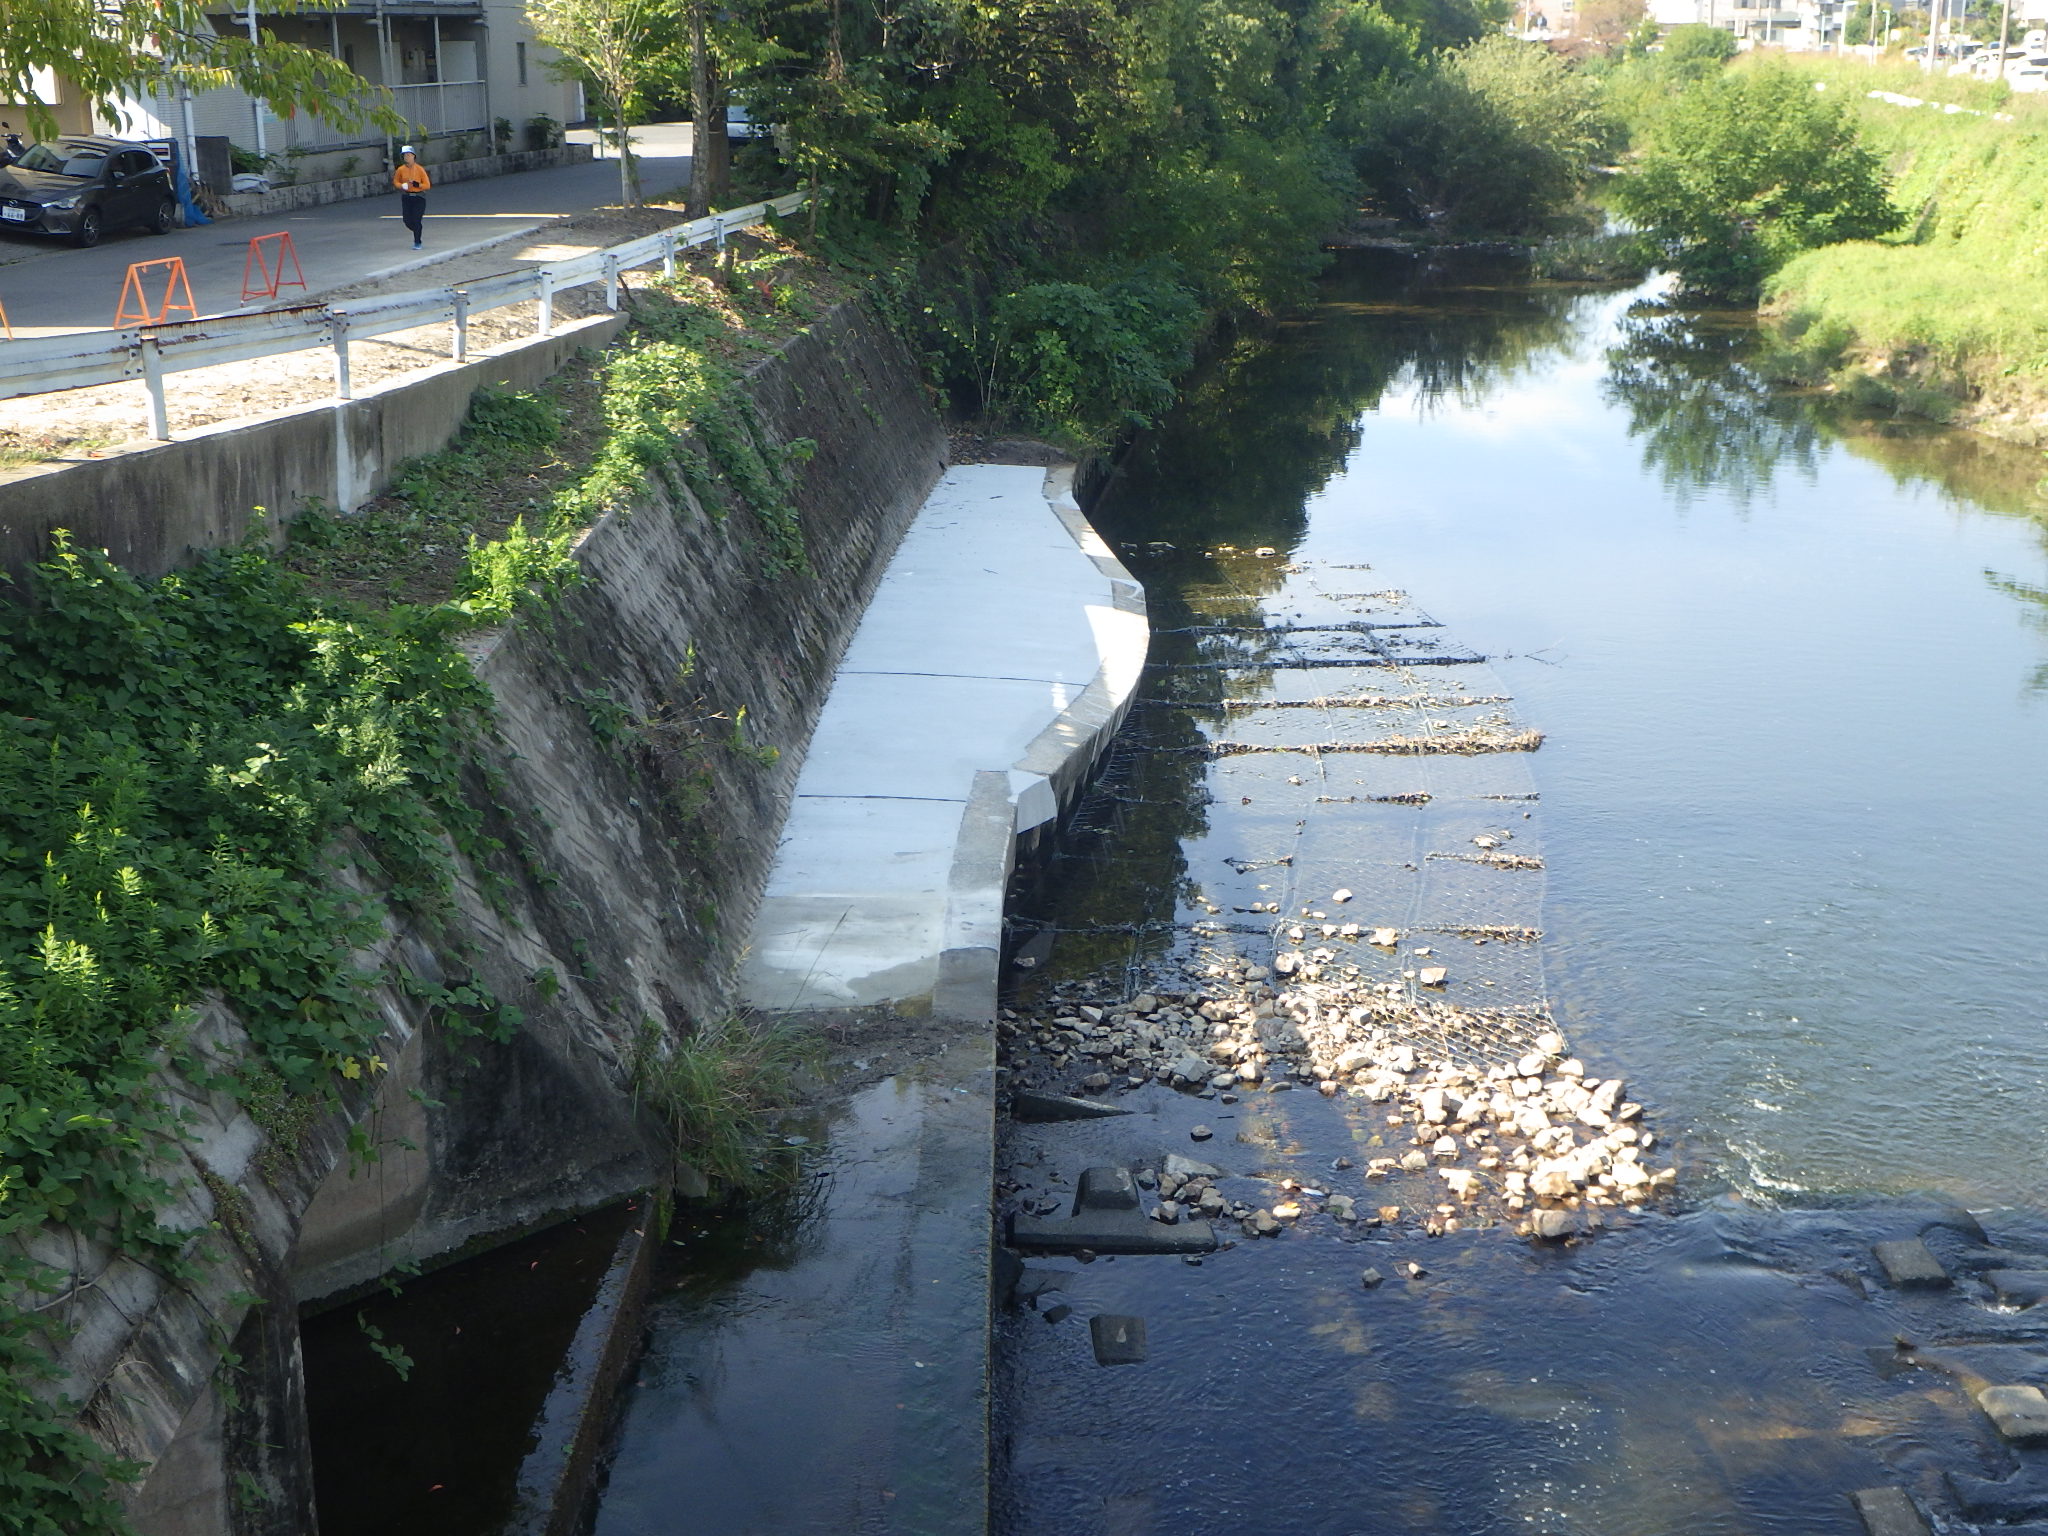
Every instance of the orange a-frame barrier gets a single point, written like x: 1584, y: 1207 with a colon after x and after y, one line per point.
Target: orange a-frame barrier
x: 263, y: 270
x: 141, y: 311
x: 5, y: 324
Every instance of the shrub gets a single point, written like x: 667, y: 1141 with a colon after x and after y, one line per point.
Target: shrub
x: 1747, y: 169
x: 1497, y: 138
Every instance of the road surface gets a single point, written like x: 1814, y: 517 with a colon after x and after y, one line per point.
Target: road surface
x: 47, y: 286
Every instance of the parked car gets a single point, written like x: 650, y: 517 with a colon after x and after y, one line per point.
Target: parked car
x: 85, y: 186
x: 740, y: 126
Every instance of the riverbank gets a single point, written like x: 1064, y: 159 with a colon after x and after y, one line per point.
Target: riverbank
x: 1938, y: 322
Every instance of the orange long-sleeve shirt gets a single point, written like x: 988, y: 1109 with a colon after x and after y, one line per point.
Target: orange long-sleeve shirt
x: 412, y: 178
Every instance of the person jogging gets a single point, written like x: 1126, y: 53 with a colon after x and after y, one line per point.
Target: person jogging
x: 413, y: 185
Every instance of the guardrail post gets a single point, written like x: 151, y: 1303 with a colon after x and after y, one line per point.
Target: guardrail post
x: 341, y: 378
x: 668, y: 256
x: 611, y: 281
x: 544, y: 320
x: 461, y: 341
x: 153, y: 377
x: 718, y: 230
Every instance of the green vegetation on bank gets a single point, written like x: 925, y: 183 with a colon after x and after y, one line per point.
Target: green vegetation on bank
x: 1735, y: 168
x: 1892, y: 222
x: 1945, y: 317
x: 188, y: 764
x: 1073, y: 191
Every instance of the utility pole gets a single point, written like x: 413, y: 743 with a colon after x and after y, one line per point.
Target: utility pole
x: 256, y: 102
x: 2004, y: 36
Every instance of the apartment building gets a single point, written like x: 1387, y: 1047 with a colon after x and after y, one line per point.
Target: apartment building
x: 455, y: 68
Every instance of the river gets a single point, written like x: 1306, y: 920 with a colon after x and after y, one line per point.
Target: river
x: 1792, y: 676
x: 1790, y: 669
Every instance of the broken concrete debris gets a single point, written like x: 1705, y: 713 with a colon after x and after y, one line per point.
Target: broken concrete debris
x: 1117, y: 1340
x: 1910, y: 1264
x: 1107, y: 1218
x: 2019, y: 1412
x: 1888, y: 1512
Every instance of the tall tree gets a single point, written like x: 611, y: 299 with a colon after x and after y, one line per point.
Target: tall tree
x: 615, y: 45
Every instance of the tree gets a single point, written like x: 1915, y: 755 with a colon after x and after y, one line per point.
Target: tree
x: 617, y: 48
x: 1498, y: 138
x: 106, y: 51
x: 1748, y: 168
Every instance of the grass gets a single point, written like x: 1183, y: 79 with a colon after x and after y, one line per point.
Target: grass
x: 1944, y: 316
x: 717, y: 1092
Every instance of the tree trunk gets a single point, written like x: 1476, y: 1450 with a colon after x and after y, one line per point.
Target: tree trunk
x: 707, y: 133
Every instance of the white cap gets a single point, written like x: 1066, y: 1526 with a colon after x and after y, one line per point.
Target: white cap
x: 407, y: 149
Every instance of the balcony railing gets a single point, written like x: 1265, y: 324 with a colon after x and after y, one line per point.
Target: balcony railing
x: 456, y: 106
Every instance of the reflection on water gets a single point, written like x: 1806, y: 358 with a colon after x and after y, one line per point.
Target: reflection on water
x: 1788, y: 664
x: 1707, y: 422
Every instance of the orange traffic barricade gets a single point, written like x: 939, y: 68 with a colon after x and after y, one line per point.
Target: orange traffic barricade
x: 5, y: 324
x: 263, y: 271
x: 136, y: 307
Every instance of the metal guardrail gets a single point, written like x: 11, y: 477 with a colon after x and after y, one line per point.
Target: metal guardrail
x: 48, y: 364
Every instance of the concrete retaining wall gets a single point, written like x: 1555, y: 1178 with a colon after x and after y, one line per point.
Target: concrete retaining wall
x: 345, y: 189
x: 154, y: 506
x: 631, y: 866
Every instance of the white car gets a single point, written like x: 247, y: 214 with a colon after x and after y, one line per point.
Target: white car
x: 740, y: 126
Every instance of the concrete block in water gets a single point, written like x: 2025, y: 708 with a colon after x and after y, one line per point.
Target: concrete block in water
x: 1888, y: 1512
x: 1910, y: 1264
x: 2023, y: 1496
x: 1058, y: 1106
x: 2021, y: 1413
x: 1107, y: 1219
x: 2019, y: 1287
x: 1117, y: 1340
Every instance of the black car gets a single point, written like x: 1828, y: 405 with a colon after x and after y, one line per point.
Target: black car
x: 84, y: 187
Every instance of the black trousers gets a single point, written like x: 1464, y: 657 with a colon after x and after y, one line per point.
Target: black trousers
x: 412, y: 207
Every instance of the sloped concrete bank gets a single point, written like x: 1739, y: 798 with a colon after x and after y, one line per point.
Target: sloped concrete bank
x: 996, y: 661
x: 637, y: 827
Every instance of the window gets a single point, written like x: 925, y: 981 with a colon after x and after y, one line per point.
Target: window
x: 522, y: 63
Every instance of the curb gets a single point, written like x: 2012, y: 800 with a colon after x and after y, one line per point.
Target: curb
x: 555, y: 1477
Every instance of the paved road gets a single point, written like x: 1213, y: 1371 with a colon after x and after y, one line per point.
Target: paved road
x: 49, y: 287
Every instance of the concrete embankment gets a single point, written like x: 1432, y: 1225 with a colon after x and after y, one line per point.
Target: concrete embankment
x: 619, y: 904
x: 998, y: 658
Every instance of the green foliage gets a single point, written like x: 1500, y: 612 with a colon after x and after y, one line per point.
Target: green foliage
x: 1071, y: 357
x: 179, y: 758
x: 104, y: 52
x: 1747, y: 168
x: 1498, y: 137
x: 674, y: 413
x: 1642, y: 84
x: 1939, y: 300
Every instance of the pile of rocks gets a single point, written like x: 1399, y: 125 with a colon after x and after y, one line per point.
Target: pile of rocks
x: 1485, y: 1105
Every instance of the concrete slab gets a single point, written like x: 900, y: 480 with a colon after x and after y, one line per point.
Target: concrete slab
x: 1909, y: 1263
x: 1888, y: 1512
x: 1117, y: 1340
x: 2019, y: 1412
x: 996, y: 661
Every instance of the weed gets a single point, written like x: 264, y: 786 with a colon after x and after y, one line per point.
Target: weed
x: 715, y: 1092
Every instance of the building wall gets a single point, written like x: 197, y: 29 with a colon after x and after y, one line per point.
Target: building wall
x: 458, y: 86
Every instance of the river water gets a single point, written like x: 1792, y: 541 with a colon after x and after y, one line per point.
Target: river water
x: 1792, y: 674
x: 1794, y: 695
